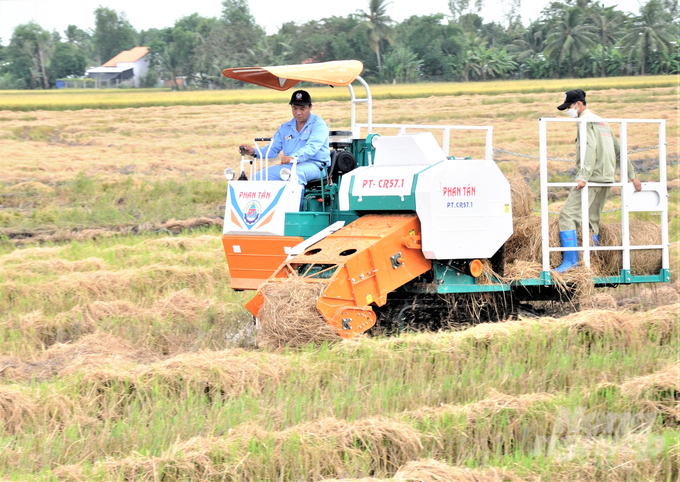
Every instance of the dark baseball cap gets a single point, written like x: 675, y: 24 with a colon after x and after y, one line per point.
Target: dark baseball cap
x: 300, y: 97
x: 571, y: 97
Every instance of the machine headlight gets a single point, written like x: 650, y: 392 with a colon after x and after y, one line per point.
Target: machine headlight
x: 285, y: 174
x: 229, y: 174
x: 374, y: 140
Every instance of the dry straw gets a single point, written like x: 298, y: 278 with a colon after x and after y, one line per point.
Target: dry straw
x: 524, y: 250
x: 497, y: 402
x: 65, y: 235
x: 179, y: 307
x: 16, y: 408
x: 289, y: 315
x: 429, y: 470
x: 322, y: 448
x: 660, y: 391
x: 95, y: 350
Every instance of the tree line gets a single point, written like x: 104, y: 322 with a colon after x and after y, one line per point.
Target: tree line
x: 571, y: 38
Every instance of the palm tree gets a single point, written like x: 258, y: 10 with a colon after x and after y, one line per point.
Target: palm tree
x: 608, y: 20
x: 530, y: 44
x: 650, y: 31
x: 378, y: 24
x: 570, y: 38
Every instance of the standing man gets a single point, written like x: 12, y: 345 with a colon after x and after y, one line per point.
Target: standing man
x: 305, y: 136
x: 602, y: 156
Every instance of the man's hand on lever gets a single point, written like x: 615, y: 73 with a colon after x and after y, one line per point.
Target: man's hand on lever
x: 637, y: 184
x: 286, y: 160
x: 246, y: 150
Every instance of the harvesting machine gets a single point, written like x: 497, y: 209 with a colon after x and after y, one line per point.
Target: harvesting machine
x: 394, y: 218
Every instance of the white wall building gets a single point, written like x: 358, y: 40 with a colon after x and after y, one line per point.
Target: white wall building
x: 127, y: 67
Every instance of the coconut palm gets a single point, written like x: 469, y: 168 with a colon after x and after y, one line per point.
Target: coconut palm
x: 378, y: 24
x: 650, y: 31
x: 570, y: 38
x: 608, y: 21
x: 530, y: 44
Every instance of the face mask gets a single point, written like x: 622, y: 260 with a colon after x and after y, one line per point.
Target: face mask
x: 573, y: 113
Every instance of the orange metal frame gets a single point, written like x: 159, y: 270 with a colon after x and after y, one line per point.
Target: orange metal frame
x: 368, y: 259
x: 253, y: 259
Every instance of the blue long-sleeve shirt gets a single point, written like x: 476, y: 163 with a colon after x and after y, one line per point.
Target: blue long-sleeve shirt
x: 310, y: 144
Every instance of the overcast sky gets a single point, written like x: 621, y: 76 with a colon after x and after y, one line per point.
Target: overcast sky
x: 271, y: 14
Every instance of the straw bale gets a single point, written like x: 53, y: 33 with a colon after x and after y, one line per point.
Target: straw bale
x: 430, y: 470
x: 522, y: 196
x: 16, y: 408
x: 525, y: 242
x: 289, y: 315
x: 525, y: 246
x: 642, y: 262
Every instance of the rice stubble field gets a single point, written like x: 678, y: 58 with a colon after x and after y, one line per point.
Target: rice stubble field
x: 125, y: 356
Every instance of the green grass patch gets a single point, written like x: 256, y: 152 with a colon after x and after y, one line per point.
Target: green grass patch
x: 87, y: 202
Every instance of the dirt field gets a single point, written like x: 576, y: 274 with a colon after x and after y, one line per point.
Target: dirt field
x: 125, y: 356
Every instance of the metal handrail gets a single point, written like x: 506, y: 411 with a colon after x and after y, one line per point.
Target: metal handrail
x: 369, y: 103
x: 585, y: 222
x: 446, y: 134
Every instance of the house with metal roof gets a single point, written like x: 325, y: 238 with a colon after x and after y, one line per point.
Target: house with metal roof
x: 126, y: 68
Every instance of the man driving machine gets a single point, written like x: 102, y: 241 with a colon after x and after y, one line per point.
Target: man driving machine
x: 305, y: 136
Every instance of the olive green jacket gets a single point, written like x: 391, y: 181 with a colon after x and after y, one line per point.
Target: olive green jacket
x: 602, y: 152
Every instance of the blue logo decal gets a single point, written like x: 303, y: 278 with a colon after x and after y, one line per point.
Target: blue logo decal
x: 252, y: 212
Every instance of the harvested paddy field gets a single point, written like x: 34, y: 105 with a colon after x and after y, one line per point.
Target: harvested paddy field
x: 136, y: 169
x: 129, y: 358
x: 124, y: 355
